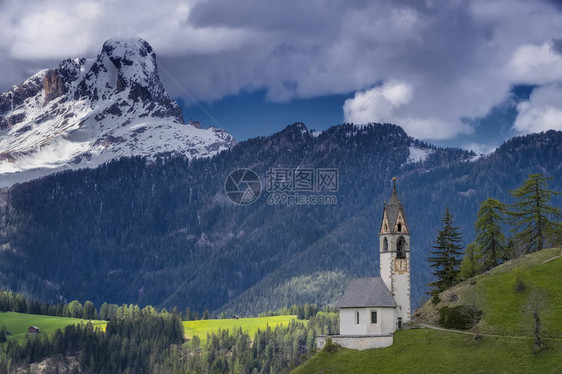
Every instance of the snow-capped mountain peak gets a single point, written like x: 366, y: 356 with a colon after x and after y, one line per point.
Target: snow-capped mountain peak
x: 89, y: 111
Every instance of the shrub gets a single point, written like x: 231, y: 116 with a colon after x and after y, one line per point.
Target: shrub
x: 330, y: 346
x: 461, y: 317
x: 435, y: 299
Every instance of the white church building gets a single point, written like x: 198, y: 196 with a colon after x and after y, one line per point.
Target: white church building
x: 372, y: 309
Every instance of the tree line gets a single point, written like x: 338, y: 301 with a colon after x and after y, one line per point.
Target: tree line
x: 272, y: 350
x: 136, y: 345
x: 531, y: 220
x: 19, y: 303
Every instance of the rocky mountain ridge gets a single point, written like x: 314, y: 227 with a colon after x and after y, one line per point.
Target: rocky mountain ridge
x: 89, y: 111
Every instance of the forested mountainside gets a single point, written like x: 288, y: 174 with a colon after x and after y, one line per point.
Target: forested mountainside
x: 164, y: 232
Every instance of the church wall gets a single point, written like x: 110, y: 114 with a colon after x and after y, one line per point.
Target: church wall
x: 398, y: 284
x: 356, y: 342
x: 386, y: 321
x: 402, y: 295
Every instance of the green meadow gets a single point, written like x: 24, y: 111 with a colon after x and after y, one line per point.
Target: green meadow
x: 505, y: 308
x: 18, y: 323
x: 431, y: 351
x: 201, y: 328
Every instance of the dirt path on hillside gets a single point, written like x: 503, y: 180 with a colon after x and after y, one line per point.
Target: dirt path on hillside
x: 481, y: 334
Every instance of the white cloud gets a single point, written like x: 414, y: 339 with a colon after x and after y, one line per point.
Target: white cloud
x: 535, y: 64
x: 480, y: 149
x: 543, y: 110
x: 389, y: 103
x: 377, y: 104
x: 454, y: 60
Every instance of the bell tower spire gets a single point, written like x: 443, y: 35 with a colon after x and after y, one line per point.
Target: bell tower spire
x: 394, y: 248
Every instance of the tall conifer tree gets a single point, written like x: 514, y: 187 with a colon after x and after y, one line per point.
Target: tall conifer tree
x: 489, y: 236
x: 531, y: 213
x: 446, y: 257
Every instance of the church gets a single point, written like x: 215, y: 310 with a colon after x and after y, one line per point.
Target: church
x: 372, y: 309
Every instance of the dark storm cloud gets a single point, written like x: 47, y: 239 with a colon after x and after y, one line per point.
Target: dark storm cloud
x: 557, y: 45
x: 434, y: 62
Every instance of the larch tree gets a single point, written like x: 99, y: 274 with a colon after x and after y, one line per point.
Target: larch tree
x: 531, y: 215
x: 470, y: 265
x: 490, y: 239
x: 446, y: 257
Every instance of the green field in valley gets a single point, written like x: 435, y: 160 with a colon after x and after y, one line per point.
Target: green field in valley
x: 431, y: 351
x: 18, y: 323
x: 250, y: 325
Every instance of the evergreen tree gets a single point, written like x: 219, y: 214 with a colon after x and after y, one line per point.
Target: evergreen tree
x: 445, y: 259
x: 531, y: 213
x: 470, y: 265
x: 89, y: 311
x: 489, y: 237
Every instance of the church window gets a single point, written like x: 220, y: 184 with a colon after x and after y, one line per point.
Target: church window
x: 373, y: 317
x: 399, y: 227
x: 356, y: 318
x: 385, y: 227
x: 385, y: 245
x: 401, y: 248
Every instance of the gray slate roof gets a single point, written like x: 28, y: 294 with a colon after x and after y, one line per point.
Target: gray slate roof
x: 366, y: 292
x: 392, y: 208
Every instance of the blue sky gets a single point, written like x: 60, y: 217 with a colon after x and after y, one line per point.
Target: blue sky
x: 461, y: 73
x: 250, y: 114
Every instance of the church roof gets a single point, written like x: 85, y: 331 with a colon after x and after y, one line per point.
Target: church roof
x: 366, y: 292
x: 393, y: 207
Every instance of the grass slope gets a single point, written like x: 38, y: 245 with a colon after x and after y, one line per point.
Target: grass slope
x: 504, y: 313
x: 431, y: 351
x: 203, y: 327
x: 504, y: 307
x: 18, y: 323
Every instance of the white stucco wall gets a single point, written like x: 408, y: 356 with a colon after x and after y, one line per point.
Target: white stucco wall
x: 386, y: 264
x: 398, y: 284
x: 386, y: 321
x: 356, y: 342
x: 401, y: 284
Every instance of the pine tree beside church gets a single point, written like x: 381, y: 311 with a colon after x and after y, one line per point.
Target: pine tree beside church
x: 447, y: 254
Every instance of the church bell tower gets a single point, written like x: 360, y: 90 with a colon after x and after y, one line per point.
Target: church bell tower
x: 394, y: 237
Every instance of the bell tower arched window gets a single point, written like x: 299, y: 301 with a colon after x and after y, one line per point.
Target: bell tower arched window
x: 401, y: 247
x: 385, y: 245
x: 399, y: 227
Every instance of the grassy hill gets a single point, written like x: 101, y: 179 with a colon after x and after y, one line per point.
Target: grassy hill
x: 250, y: 325
x: 431, y: 351
x: 504, y: 307
x: 18, y: 323
x: 505, y: 313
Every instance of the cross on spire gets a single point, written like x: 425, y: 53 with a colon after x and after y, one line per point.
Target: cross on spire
x: 394, y: 198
